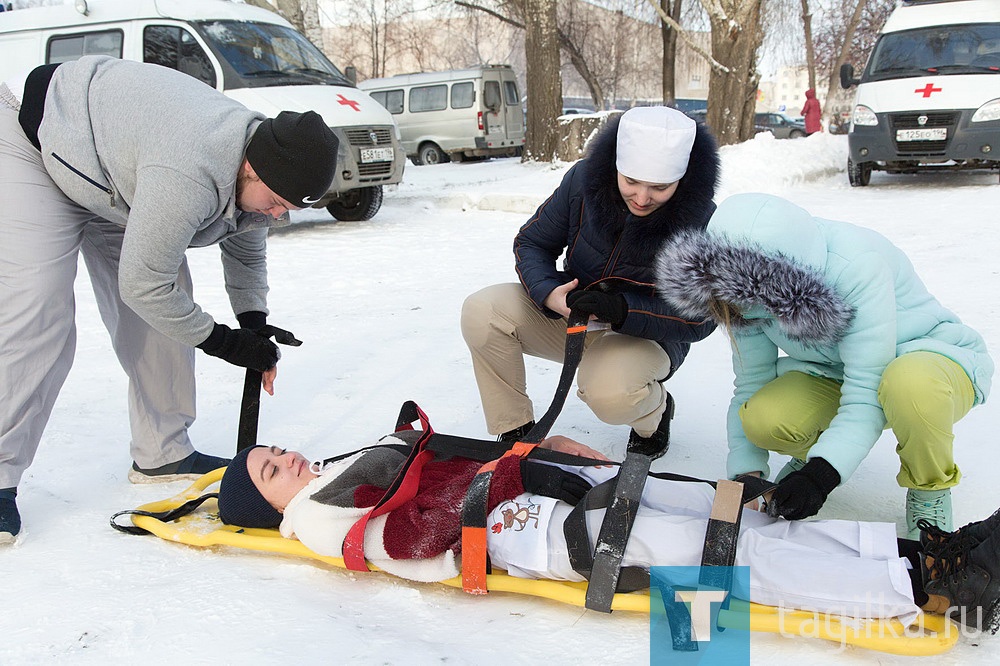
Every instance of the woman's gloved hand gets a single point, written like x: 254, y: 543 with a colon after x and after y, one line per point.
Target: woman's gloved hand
x: 802, y: 493
x: 612, y: 308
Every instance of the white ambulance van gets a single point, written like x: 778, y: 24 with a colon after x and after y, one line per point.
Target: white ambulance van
x: 929, y: 97
x: 454, y: 114
x: 250, y: 54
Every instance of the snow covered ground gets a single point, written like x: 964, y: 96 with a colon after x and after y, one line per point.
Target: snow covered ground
x: 377, y: 304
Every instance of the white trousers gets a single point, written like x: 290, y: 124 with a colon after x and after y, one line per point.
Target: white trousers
x: 43, y: 233
x: 829, y: 566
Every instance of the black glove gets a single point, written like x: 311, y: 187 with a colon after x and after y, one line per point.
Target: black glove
x: 541, y: 479
x: 612, y: 308
x: 253, y: 319
x: 243, y: 347
x: 802, y: 493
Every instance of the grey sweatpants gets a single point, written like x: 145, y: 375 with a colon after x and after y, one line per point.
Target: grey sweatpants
x: 618, y: 377
x: 41, y: 235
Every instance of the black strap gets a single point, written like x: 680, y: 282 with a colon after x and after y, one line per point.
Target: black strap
x: 576, y: 336
x: 246, y: 434
x: 615, y: 531
x: 581, y: 552
x: 486, y: 450
x: 163, y: 516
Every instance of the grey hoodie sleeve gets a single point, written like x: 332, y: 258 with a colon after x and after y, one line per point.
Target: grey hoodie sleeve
x: 244, y: 264
x: 167, y: 210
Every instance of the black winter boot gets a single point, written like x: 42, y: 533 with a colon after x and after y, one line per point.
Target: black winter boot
x: 188, y: 469
x: 656, y: 444
x: 10, y: 519
x: 961, y: 576
x: 931, y: 536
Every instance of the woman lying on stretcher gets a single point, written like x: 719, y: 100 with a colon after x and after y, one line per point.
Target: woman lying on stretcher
x: 840, y: 567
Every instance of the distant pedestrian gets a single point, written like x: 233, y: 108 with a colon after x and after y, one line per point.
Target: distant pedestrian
x: 812, y: 113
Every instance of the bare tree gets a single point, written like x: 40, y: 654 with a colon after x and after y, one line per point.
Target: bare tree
x: 302, y: 14
x: 541, y: 49
x: 668, y: 35
x: 569, y: 41
x: 737, y: 34
x: 849, y: 35
x: 810, y: 49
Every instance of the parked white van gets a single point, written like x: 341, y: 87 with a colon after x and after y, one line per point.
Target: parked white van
x: 454, y: 114
x: 929, y: 97
x: 250, y: 54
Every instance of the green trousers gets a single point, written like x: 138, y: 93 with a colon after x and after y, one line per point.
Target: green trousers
x: 923, y: 395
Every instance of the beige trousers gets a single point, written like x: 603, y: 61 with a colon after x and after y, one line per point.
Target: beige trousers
x: 618, y: 378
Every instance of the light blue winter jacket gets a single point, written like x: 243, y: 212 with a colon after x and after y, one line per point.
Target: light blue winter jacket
x: 864, y: 306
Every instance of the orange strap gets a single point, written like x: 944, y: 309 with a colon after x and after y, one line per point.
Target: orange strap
x: 474, y: 522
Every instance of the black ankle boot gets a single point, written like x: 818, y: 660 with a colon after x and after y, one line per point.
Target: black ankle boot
x: 965, y: 572
x: 931, y: 536
x: 10, y: 519
x: 656, y: 444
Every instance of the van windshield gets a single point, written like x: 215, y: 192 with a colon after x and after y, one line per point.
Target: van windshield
x: 949, y: 49
x: 264, y: 54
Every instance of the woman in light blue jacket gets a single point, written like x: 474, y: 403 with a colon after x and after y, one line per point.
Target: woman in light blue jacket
x: 834, y: 339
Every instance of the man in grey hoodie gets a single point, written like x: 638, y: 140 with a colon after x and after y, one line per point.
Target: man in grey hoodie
x: 132, y: 164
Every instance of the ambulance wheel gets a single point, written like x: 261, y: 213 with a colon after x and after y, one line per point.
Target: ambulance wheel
x: 357, y: 205
x: 430, y: 154
x: 859, y: 174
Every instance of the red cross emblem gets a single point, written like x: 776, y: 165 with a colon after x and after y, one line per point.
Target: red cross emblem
x: 927, y: 90
x: 347, y: 102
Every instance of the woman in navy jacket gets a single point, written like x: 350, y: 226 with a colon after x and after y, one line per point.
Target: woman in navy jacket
x: 648, y: 175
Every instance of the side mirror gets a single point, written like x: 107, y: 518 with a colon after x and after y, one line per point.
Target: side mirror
x: 351, y: 72
x: 847, y: 76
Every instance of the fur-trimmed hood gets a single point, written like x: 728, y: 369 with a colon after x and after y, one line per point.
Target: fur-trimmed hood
x: 766, y: 257
x: 685, y: 210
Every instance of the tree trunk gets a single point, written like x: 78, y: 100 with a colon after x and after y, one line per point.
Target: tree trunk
x: 291, y: 10
x: 541, y: 51
x: 810, y: 49
x: 842, y: 57
x: 311, y: 27
x: 580, y: 65
x: 576, y: 56
x: 732, y: 95
x: 302, y: 14
x: 672, y: 8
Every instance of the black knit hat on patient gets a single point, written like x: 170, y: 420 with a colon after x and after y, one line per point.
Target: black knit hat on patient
x: 295, y: 155
x: 240, y: 503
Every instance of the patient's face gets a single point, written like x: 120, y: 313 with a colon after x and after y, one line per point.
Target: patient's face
x: 278, y: 474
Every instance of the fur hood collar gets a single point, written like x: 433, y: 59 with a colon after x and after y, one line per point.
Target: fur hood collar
x: 685, y: 210
x: 761, y: 283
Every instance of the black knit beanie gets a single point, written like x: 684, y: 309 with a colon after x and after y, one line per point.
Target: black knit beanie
x: 240, y: 503
x: 295, y: 155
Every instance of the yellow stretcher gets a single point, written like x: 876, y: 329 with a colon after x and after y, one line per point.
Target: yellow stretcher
x: 929, y: 635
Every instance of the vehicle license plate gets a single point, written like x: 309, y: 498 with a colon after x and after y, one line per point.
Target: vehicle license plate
x: 376, y: 155
x: 925, y: 134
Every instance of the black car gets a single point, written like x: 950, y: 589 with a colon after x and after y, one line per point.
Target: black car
x: 780, y: 125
